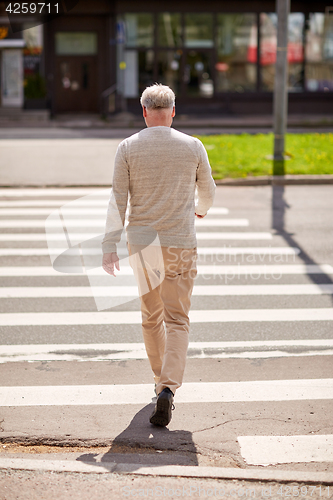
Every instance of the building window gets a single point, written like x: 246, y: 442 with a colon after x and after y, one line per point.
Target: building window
x: 268, y: 27
x: 198, y: 74
x: 169, y: 30
x: 169, y: 69
x: 139, y: 72
x: 75, y: 43
x: 199, y: 30
x: 201, y: 54
x: 236, y: 68
x: 146, y: 69
x: 139, y: 29
x: 34, y: 83
x: 319, y: 53
x: 135, y: 66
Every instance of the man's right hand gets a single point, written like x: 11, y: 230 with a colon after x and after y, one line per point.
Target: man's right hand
x: 109, y: 261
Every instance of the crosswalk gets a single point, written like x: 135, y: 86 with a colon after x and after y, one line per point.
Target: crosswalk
x: 248, y: 349
x: 248, y: 282
x: 210, y: 392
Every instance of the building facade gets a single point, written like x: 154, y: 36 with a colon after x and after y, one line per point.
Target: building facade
x: 218, y: 57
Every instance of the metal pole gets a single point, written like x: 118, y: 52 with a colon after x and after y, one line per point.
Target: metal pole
x: 280, y: 86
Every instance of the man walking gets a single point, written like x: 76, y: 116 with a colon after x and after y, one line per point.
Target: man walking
x: 160, y: 168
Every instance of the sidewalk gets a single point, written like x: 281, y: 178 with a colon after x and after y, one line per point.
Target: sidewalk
x: 79, y: 150
x: 30, y: 158
x: 96, y: 464
x: 57, y: 162
x: 77, y: 473
x: 133, y: 121
x: 119, y: 481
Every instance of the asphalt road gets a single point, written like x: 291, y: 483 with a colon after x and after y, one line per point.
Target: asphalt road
x: 258, y: 385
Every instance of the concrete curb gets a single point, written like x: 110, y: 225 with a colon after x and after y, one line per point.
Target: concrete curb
x: 286, y: 180
x: 167, y: 470
x: 283, y: 180
x: 130, y: 120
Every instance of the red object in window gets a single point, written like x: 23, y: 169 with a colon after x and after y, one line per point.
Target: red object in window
x: 295, y: 52
x: 268, y: 52
x: 252, y: 54
x: 221, y: 66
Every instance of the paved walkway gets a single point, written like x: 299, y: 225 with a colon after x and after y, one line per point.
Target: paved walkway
x: 41, y: 162
x: 181, y: 121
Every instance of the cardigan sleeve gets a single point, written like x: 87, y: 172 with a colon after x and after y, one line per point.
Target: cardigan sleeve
x: 118, y: 201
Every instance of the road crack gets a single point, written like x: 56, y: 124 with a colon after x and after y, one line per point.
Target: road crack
x: 238, y: 420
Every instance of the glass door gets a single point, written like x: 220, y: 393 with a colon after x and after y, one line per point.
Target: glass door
x: 198, y: 78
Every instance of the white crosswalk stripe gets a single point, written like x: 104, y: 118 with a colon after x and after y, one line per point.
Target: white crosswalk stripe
x: 44, y: 211
x: 100, y: 223
x: 209, y: 392
x: 196, y: 316
x: 38, y: 192
x: 132, y: 291
x: 82, y: 236
x: 14, y: 207
x: 86, y: 217
x: 75, y: 211
x: 52, y: 204
x: 136, y: 350
x: 201, y: 251
x: 266, y: 450
x: 215, y: 270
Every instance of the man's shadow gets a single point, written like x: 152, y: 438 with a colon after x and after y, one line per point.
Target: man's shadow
x: 279, y: 208
x: 144, y: 444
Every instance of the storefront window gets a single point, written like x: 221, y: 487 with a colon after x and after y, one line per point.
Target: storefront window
x: 146, y: 69
x: 138, y: 73
x: 268, y: 26
x: 199, y: 30
x: 201, y: 54
x: 237, y: 52
x: 131, y: 75
x: 139, y: 29
x: 34, y: 82
x: 198, y: 74
x: 319, y: 53
x: 135, y: 67
x: 169, y: 30
x: 169, y: 67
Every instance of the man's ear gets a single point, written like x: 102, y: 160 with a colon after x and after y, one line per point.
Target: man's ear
x: 173, y: 111
x: 144, y: 111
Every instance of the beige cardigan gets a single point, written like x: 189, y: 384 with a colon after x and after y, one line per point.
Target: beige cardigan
x: 159, y: 168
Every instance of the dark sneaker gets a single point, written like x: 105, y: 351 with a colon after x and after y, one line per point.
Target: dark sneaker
x: 162, y: 414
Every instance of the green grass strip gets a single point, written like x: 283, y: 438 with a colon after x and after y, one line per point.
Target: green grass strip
x: 235, y: 156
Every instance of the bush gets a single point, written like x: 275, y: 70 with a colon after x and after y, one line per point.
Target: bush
x: 34, y: 87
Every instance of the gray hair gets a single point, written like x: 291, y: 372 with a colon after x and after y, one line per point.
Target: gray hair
x: 158, y: 96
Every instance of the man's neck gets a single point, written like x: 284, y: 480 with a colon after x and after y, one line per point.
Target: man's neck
x: 158, y: 124
x: 158, y: 118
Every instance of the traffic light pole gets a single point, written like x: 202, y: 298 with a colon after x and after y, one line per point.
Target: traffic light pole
x: 280, y: 87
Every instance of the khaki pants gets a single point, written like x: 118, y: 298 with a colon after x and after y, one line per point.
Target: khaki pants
x: 165, y: 277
